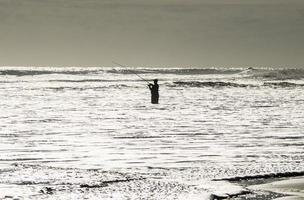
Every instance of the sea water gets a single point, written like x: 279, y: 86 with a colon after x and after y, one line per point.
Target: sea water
x: 92, y: 133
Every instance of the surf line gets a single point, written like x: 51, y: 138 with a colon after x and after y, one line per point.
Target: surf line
x: 131, y: 71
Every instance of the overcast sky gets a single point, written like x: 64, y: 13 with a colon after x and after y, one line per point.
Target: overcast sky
x: 160, y: 33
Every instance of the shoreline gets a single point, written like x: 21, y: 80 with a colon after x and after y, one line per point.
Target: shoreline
x: 278, y: 186
x: 291, y: 188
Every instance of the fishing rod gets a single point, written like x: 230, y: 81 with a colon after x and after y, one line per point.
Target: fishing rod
x: 132, y: 72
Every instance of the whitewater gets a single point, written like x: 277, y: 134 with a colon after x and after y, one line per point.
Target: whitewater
x: 91, y: 133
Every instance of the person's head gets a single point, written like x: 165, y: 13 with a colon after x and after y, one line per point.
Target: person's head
x: 155, y: 81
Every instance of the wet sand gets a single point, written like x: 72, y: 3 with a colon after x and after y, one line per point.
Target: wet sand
x: 293, y: 188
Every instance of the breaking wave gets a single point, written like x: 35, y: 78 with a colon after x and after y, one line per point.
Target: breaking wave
x: 272, y: 74
x: 35, y: 72
x: 210, y: 84
x: 177, y: 71
x: 219, y: 84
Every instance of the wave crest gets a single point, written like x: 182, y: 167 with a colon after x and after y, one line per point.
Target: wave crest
x: 210, y: 84
x: 274, y: 74
x: 177, y: 71
x: 269, y: 74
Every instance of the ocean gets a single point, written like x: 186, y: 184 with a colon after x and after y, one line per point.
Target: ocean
x: 92, y: 133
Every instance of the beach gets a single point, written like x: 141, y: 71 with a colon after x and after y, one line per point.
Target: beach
x: 293, y: 188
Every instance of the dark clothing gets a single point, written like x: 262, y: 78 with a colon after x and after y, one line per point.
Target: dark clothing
x: 154, y: 93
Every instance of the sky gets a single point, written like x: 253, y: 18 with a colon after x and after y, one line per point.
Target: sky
x: 152, y: 33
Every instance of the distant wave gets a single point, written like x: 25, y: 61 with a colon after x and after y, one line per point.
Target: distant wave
x: 92, y: 80
x: 179, y: 71
x: 82, y: 80
x: 272, y: 74
x: 210, y: 84
x: 120, y: 86
x: 231, y: 84
x: 30, y: 72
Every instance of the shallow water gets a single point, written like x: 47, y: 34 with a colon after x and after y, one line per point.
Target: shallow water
x: 63, y: 128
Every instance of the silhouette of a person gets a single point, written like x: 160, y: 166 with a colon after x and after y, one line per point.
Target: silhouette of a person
x: 154, y: 92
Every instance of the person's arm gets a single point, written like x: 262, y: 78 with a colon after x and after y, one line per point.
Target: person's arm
x: 150, y: 86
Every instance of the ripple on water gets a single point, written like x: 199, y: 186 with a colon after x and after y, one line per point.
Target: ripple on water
x: 196, y: 133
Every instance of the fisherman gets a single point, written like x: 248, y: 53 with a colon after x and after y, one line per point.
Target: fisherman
x: 154, y: 92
